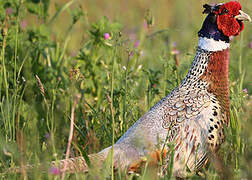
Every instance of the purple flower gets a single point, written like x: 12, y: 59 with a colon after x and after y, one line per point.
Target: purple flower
x: 131, y: 54
x: 145, y: 25
x: 54, y: 170
x: 137, y: 43
x: 174, y: 44
x: 175, y: 52
x: 250, y: 45
x: 47, y: 136
x: 245, y: 91
x: 23, y: 24
x: 9, y: 11
x: 106, y: 36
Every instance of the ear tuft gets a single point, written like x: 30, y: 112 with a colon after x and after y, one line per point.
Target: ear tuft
x: 208, y: 9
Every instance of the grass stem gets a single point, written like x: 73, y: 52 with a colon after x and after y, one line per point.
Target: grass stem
x: 112, y: 111
x: 77, y: 98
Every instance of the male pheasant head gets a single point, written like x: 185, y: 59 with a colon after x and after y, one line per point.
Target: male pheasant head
x: 223, y: 21
x: 230, y: 17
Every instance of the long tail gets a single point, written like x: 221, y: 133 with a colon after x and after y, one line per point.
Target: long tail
x: 71, y: 165
x: 78, y: 164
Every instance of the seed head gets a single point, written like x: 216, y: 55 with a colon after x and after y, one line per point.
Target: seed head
x: 41, y: 87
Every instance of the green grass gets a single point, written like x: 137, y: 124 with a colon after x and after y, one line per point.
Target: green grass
x: 52, y: 52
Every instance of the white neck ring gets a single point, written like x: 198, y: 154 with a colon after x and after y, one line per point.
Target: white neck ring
x: 212, y: 45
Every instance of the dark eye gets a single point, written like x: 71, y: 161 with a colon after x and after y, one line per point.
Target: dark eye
x: 225, y: 11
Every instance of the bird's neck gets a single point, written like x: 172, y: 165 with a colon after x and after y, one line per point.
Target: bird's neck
x: 209, y: 70
x: 216, y: 74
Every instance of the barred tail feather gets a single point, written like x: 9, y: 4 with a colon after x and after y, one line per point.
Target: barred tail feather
x: 76, y: 164
x: 72, y: 165
x: 79, y: 164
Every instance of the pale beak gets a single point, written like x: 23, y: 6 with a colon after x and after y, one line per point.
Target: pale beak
x: 243, y: 16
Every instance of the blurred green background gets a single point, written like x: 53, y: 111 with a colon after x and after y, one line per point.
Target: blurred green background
x: 181, y: 18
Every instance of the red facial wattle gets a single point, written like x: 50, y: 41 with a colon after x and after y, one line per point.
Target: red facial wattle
x: 226, y: 19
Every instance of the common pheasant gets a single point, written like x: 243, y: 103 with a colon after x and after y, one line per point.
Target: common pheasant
x: 192, y: 116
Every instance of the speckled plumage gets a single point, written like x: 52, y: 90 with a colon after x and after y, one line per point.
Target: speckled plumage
x: 191, y: 117
x: 190, y: 114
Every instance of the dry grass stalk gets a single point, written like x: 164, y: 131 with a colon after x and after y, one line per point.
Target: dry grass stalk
x: 41, y: 88
x: 77, y: 98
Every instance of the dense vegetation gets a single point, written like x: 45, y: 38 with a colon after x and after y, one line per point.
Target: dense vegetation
x: 108, y: 62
